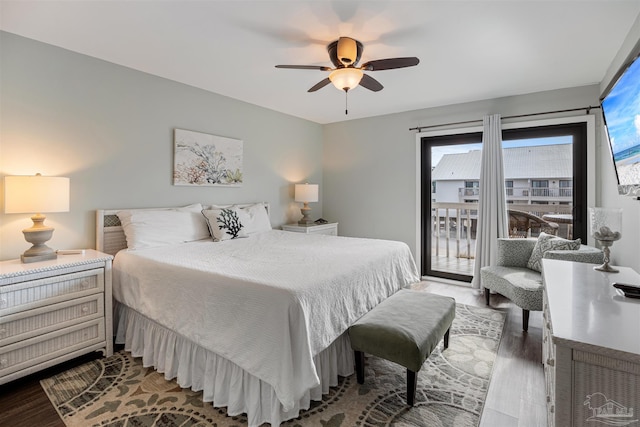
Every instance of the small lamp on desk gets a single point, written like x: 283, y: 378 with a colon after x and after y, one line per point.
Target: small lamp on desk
x: 36, y: 194
x: 306, y: 193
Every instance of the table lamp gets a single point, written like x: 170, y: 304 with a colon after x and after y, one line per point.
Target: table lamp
x: 306, y: 193
x: 36, y: 194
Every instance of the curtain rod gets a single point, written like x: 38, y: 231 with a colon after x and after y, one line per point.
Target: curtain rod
x: 588, y: 109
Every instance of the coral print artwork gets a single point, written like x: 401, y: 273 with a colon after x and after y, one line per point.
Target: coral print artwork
x: 208, y: 160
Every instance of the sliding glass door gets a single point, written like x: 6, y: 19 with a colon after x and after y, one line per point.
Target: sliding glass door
x: 545, y: 180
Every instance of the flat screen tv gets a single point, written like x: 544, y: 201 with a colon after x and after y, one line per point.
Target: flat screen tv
x: 621, y: 111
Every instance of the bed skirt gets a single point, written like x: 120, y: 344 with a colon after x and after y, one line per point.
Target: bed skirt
x: 223, y: 382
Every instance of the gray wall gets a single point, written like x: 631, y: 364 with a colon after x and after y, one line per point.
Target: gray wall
x: 110, y: 129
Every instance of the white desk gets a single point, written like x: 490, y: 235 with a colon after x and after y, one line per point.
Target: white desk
x: 591, y: 344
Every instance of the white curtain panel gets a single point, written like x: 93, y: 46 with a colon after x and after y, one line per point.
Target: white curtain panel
x: 492, y: 206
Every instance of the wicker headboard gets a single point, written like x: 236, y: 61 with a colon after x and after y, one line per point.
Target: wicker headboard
x: 110, y: 235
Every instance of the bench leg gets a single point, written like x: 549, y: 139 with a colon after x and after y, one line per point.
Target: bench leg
x: 412, y: 382
x: 525, y: 320
x: 487, y: 293
x: 446, y: 338
x: 359, y: 366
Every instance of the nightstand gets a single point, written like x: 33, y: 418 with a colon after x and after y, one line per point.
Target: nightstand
x: 330, y: 228
x: 53, y: 311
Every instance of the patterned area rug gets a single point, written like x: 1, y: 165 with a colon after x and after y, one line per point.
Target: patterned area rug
x: 452, y: 386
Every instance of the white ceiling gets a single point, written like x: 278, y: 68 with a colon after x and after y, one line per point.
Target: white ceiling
x: 468, y: 50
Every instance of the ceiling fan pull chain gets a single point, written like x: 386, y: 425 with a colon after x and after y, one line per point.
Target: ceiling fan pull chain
x: 346, y: 106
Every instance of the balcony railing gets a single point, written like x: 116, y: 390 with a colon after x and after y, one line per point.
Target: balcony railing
x: 454, y: 228
x: 523, y: 192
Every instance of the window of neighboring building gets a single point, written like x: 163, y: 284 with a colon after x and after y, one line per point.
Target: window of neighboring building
x: 509, y: 187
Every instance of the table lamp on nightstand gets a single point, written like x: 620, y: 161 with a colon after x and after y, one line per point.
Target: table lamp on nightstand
x: 306, y: 193
x: 36, y: 194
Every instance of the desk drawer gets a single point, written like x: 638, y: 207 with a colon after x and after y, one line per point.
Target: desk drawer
x: 27, y: 324
x: 24, y: 354
x: 50, y: 290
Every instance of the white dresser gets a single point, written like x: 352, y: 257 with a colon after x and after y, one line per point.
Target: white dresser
x: 330, y: 228
x: 591, y: 346
x: 53, y: 311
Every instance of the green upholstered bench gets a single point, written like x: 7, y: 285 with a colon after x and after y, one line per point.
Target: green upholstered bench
x: 404, y: 329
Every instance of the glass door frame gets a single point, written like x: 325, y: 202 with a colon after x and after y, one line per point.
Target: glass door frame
x: 584, y: 151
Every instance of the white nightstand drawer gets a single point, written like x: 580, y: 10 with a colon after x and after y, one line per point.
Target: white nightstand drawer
x: 24, y: 354
x: 31, y: 323
x: 41, y: 292
x: 329, y: 229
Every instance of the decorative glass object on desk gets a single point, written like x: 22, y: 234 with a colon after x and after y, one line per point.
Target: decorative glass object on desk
x: 606, y: 224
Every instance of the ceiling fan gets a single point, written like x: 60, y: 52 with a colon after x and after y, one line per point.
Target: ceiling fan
x: 345, y: 54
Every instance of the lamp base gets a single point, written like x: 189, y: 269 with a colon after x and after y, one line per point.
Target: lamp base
x: 37, y: 235
x: 37, y: 258
x: 305, y: 215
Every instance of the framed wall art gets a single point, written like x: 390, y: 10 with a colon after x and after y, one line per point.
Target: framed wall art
x: 206, y: 160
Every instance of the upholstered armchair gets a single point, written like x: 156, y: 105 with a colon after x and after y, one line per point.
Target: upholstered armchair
x: 517, y: 276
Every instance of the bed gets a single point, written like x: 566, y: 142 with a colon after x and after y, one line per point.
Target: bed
x: 257, y: 322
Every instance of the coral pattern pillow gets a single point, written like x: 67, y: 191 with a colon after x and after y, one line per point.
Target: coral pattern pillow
x: 225, y: 224
x: 547, y: 242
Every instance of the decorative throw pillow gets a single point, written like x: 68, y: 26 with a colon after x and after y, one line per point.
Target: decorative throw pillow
x: 547, y: 242
x: 224, y: 224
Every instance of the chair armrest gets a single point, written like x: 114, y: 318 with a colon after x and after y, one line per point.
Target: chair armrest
x: 585, y: 254
x: 514, y: 252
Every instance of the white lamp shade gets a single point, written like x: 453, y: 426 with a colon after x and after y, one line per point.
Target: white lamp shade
x: 36, y: 194
x: 306, y: 193
x: 346, y: 78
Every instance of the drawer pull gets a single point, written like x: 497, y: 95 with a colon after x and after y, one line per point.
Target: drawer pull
x: 3, y: 302
x: 85, y: 309
x: 551, y: 362
x: 548, y: 398
x: 3, y: 363
x: 3, y: 332
x: 84, y: 284
x: 552, y: 409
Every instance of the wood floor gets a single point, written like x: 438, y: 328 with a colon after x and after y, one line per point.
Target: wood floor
x: 516, y: 395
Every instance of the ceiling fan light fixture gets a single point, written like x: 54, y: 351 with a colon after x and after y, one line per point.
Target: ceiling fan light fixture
x: 346, y: 78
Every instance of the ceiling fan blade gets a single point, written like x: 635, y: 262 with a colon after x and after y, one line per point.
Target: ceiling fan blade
x: 370, y: 83
x: 320, y: 85
x: 390, y: 64
x: 305, y: 67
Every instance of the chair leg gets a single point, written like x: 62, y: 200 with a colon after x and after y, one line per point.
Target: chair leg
x: 412, y: 382
x: 525, y: 320
x: 359, y: 366
x: 446, y: 339
x: 487, y: 293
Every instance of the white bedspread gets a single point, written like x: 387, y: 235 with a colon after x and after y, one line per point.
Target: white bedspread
x: 269, y: 302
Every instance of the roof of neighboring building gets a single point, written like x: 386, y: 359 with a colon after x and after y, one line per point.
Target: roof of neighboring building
x: 536, y: 162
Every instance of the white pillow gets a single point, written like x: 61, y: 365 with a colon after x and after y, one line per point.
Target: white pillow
x: 152, y: 228
x: 255, y: 218
x: 225, y: 223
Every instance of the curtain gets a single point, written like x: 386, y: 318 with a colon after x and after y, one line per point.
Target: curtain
x: 492, y: 206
